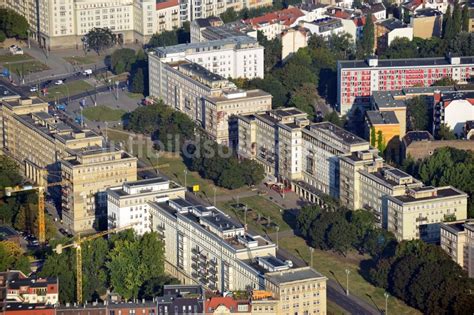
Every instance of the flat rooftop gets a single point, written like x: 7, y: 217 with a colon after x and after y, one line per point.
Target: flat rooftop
x: 200, y: 71
x: 376, y: 117
x: 221, y: 222
x: 246, y: 95
x: 443, y: 192
x: 342, y: 135
x: 291, y: 275
x: 404, y: 63
x: 146, y: 182
x: 208, y: 45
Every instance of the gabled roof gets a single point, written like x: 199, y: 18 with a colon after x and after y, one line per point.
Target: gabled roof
x: 285, y: 17
x: 374, y: 8
x: 227, y: 301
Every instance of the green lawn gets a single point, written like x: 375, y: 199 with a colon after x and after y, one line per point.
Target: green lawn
x: 103, y: 113
x: 333, y: 266
x: 135, y: 96
x: 15, y: 58
x: 257, y: 205
x: 82, y: 60
x: 73, y: 87
x: 24, y: 68
x: 334, y: 309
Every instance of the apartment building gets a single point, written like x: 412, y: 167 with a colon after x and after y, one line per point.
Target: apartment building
x: 205, y: 97
x: 300, y: 291
x: 232, y: 57
x: 15, y: 287
x: 128, y: 204
x: 323, y: 145
x: 292, y: 40
x: 324, y: 27
x: 63, y: 24
x: 452, y: 109
x: 387, y: 30
x: 191, y: 10
x: 366, y: 183
x: 209, y: 246
x: 274, y: 139
x: 418, y: 213
x: 38, y: 140
x: 457, y: 240
x: 358, y: 79
x: 87, y: 174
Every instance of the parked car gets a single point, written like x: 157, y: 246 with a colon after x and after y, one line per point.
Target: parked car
x: 87, y: 72
x: 33, y: 89
x: 59, y: 82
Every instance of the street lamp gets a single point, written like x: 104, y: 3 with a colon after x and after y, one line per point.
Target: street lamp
x: 215, y: 196
x: 186, y: 178
x: 347, y: 281
x: 277, y: 228
x: 311, y: 251
x: 386, y: 302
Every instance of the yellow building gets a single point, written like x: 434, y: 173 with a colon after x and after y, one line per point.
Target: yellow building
x: 418, y: 213
x: 37, y: 140
x: 88, y: 173
x: 300, y: 291
x: 382, y: 124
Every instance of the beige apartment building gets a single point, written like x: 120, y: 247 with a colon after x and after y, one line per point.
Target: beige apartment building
x: 418, y: 213
x: 274, y: 139
x: 457, y: 240
x: 38, y: 140
x: 300, y: 291
x: 88, y: 173
x: 205, y: 97
x: 366, y: 182
x: 63, y: 23
x: 219, y: 110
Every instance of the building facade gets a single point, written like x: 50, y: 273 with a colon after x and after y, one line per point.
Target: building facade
x: 457, y: 240
x: 205, y: 97
x: 128, y: 204
x: 452, y: 109
x: 357, y: 80
x: 86, y: 175
x: 234, y: 57
x: 418, y: 213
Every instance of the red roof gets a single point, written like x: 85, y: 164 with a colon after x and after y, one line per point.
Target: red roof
x: 228, y: 302
x: 285, y: 17
x: 166, y: 4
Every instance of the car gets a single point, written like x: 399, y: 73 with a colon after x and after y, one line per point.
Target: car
x: 62, y: 231
x: 59, y: 82
x: 33, y: 89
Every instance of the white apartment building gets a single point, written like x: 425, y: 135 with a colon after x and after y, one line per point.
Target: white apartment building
x: 324, y: 27
x: 205, y: 97
x: 323, y: 145
x: 63, y: 23
x: 128, y: 204
x: 418, y: 213
x: 453, y: 109
x: 234, y: 57
x: 457, y: 240
x: 274, y: 139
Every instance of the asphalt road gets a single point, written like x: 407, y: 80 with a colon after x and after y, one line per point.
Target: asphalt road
x: 335, y: 293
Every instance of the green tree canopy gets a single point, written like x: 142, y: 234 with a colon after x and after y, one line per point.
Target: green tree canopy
x: 100, y: 39
x: 12, y: 24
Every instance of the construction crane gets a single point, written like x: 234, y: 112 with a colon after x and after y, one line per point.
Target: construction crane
x: 77, y: 245
x: 40, y: 189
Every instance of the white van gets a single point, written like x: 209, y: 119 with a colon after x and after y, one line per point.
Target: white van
x: 87, y: 72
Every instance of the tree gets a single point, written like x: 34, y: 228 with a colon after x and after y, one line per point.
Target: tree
x: 334, y: 118
x: 13, y: 257
x: 154, y: 287
x: 445, y: 133
x: 229, y: 15
x: 418, y: 114
x: 367, y: 40
x: 341, y: 236
x: 165, y: 38
x: 465, y: 18
x: 305, y: 219
x: 62, y: 266
x: 12, y: 24
x: 9, y: 173
x: 380, y: 141
x: 138, y: 81
x: 3, y: 36
x: 445, y: 81
x: 457, y: 18
x: 373, y: 136
x: 100, y: 39
x: 449, y: 31
x: 122, y: 60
